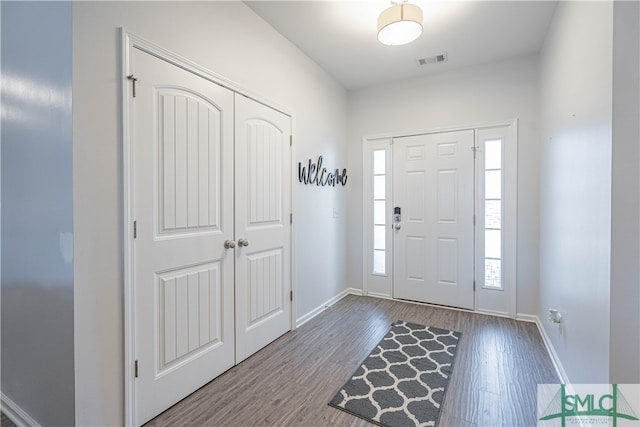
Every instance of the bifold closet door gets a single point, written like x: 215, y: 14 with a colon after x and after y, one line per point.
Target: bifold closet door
x: 183, y: 276
x: 211, y: 255
x: 263, y: 226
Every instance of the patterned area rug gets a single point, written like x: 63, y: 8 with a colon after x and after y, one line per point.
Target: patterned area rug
x: 404, y: 379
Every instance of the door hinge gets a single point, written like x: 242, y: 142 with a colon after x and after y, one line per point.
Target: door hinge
x: 475, y: 150
x: 290, y: 140
x: 474, y: 220
x: 133, y: 79
x: 135, y: 229
x: 135, y: 369
x: 290, y: 295
x: 474, y: 286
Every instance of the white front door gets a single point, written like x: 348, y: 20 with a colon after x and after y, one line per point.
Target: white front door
x: 263, y: 229
x: 433, y: 186
x: 182, y: 172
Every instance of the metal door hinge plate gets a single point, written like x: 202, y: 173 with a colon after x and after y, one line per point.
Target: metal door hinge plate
x: 133, y: 79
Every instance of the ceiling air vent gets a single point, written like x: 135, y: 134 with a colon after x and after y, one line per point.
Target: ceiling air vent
x: 435, y: 59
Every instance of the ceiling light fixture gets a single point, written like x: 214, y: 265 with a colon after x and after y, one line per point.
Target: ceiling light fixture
x: 400, y: 24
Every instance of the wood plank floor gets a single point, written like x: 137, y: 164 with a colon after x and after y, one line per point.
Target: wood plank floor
x: 289, y: 383
x: 5, y: 421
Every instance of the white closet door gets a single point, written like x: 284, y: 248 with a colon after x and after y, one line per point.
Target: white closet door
x: 433, y: 185
x: 263, y: 205
x: 183, y: 206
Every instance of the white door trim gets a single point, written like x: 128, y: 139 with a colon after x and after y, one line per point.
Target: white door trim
x: 129, y: 42
x: 469, y: 126
x: 511, y: 190
x: 373, y: 283
x: 509, y: 222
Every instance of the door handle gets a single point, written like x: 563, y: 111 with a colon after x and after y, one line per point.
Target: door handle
x: 229, y: 244
x: 243, y: 242
x: 396, y: 226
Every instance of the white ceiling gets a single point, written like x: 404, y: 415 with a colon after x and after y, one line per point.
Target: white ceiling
x: 341, y: 35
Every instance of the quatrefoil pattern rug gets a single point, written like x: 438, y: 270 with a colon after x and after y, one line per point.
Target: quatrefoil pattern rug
x: 404, y: 379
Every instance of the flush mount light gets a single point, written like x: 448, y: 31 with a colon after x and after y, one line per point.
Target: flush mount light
x: 400, y: 24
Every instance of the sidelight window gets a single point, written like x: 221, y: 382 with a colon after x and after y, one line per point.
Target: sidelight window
x: 379, y: 211
x: 493, y: 213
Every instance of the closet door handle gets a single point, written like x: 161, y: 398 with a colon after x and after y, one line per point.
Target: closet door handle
x: 229, y: 244
x: 243, y: 242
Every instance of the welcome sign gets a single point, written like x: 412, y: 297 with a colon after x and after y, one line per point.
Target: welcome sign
x: 315, y: 173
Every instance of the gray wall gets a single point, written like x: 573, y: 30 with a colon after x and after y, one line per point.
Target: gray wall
x: 625, y: 206
x: 575, y: 186
x: 590, y: 205
x: 37, y: 210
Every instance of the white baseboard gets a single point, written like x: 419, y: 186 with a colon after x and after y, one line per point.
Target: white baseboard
x: 531, y: 318
x: 376, y: 295
x: 492, y: 313
x: 557, y: 364
x: 16, y: 414
x: 322, y: 307
x: 551, y: 350
x: 354, y: 291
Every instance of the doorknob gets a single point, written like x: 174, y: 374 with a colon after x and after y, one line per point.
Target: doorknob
x: 229, y: 244
x: 243, y: 242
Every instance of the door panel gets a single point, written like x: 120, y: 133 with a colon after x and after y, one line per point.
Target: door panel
x: 183, y: 206
x: 189, y: 165
x: 189, y: 312
x: 433, y: 246
x: 263, y: 204
x: 264, y: 279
